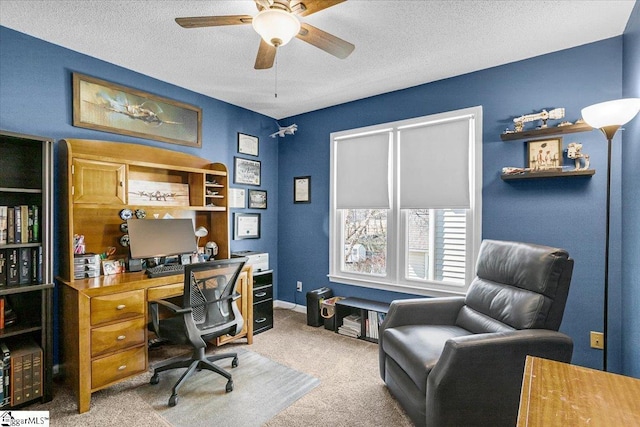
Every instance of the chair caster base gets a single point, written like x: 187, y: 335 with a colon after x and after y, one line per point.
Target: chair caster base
x: 234, y: 362
x: 155, y: 379
x: 229, y: 387
x: 173, y: 400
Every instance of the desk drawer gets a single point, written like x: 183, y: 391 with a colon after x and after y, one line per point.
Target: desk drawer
x: 117, y: 336
x: 262, y: 279
x: 262, y: 316
x: 162, y: 292
x: 117, y: 307
x: 120, y: 365
x: 262, y: 294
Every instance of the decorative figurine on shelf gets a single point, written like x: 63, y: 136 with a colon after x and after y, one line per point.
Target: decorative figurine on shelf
x: 574, y: 151
x: 543, y: 116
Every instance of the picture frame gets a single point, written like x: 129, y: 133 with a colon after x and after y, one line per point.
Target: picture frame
x: 544, y: 154
x: 302, y: 189
x: 257, y: 199
x: 246, y: 226
x: 248, y: 144
x: 246, y: 171
x: 110, y: 107
x: 237, y: 199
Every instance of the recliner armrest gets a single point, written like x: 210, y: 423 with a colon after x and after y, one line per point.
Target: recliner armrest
x: 485, y: 371
x: 427, y: 311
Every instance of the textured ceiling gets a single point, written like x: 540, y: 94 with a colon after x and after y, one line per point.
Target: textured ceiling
x: 398, y: 43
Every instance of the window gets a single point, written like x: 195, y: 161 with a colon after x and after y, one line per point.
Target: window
x: 406, y: 203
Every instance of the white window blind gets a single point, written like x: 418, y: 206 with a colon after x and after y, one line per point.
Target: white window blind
x: 434, y: 165
x: 362, y: 169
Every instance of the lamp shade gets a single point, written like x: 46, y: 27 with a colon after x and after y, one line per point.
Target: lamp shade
x: 611, y: 113
x: 276, y: 26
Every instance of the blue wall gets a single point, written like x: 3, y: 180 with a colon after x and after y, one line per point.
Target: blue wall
x: 36, y: 99
x: 563, y: 212
x: 631, y: 203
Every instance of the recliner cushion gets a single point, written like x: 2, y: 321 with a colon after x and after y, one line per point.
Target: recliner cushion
x: 417, y: 348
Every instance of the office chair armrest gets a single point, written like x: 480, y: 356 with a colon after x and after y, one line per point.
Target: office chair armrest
x: 171, y: 306
x: 155, y: 315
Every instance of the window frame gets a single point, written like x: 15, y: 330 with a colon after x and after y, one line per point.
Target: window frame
x: 396, y: 219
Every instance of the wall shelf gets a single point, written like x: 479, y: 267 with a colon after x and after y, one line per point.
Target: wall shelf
x: 538, y: 175
x: 535, y: 133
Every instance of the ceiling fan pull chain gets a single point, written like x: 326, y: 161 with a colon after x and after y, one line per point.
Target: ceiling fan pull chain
x: 276, y: 83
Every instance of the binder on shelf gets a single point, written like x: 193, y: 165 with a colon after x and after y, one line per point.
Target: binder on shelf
x: 23, y: 354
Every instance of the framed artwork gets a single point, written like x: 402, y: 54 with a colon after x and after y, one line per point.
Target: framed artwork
x: 257, y: 199
x: 248, y: 144
x: 246, y: 171
x: 109, y: 107
x: 544, y: 154
x: 302, y: 189
x: 246, y: 226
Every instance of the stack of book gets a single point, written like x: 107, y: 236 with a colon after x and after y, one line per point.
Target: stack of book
x: 21, y: 266
x: 19, y: 224
x: 351, y: 326
x: 21, y: 372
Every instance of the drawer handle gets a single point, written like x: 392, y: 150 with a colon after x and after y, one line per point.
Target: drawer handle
x: 120, y: 307
x: 260, y: 294
x: 122, y: 367
x: 121, y: 337
x: 261, y: 320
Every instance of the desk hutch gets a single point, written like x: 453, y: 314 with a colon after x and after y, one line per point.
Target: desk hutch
x: 104, y: 318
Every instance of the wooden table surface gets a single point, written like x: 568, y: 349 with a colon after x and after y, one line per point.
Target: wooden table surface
x: 560, y: 394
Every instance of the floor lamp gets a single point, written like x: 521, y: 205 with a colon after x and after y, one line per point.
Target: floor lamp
x: 608, y: 117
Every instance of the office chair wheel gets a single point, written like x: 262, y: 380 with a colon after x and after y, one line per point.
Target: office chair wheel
x: 229, y: 387
x: 173, y: 400
x: 234, y: 362
x: 155, y: 379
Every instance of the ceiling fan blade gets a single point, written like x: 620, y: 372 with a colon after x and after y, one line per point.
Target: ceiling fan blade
x: 263, y: 4
x: 307, y: 7
x: 325, y: 41
x: 266, y: 56
x: 213, y: 21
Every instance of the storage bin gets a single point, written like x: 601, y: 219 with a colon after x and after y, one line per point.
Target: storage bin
x: 314, y: 302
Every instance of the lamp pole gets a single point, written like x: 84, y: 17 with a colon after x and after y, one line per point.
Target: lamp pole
x: 609, y: 117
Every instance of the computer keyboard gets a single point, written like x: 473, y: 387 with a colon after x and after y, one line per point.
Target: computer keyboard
x: 165, y: 270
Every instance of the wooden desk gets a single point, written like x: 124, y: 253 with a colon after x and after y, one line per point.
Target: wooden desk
x: 559, y: 394
x: 104, y: 327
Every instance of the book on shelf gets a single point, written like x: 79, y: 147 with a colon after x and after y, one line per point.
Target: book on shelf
x: 2, y: 302
x: 25, y: 266
x: 24, y: 219
x: 3, y: 267
x: 13, y: 266
x: 5, y: 371
x: 4, y: 211
x: 351, y: 326
x: 11, y: 225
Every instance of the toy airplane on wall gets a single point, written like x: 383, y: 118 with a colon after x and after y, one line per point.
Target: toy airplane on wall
x: 284, y: 130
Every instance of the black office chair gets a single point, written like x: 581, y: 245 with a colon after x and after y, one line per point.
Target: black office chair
x: 208, y: 310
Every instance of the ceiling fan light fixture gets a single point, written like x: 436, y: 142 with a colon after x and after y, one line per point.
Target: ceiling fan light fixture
x: 276, y: 27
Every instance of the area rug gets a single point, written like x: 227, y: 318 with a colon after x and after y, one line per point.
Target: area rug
x: 262, y: 388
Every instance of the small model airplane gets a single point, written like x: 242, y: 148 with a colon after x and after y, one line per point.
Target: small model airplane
x: 284, y: 130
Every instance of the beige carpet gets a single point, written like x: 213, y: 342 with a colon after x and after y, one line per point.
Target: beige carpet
x: 350, y: 392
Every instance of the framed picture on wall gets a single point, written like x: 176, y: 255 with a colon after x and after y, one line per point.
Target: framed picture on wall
x: 544, y: 154
x: 302, y: 189
x: 248, y: 144
x: 257, y: 199
x: 109, y: 107
x: 246, y: 226
x: 246, y: 171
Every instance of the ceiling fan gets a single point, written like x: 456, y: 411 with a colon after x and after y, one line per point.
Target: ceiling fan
x: 277, y: 24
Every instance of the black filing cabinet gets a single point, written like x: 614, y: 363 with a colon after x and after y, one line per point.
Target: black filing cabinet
x: 262, y: 301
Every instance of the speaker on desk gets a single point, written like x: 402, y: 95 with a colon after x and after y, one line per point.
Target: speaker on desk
x: 134, y: 265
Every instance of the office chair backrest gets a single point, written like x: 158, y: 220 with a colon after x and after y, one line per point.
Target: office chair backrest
x: 209, y: 289
x: 518, y: 286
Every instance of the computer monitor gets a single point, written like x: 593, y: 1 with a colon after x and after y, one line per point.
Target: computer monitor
x: 152, y: 238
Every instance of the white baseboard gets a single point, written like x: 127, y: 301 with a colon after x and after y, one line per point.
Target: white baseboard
x: 290, y: 306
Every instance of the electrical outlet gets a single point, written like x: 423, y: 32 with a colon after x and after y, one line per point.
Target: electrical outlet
x: 299, y: 286
x: 597, y: 340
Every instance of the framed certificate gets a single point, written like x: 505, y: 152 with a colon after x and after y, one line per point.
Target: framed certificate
x: 248, y: 144
x: 302, y: 189
x: 246, y: 226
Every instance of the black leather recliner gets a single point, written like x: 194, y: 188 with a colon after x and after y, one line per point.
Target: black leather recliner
x: 459, y: 361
